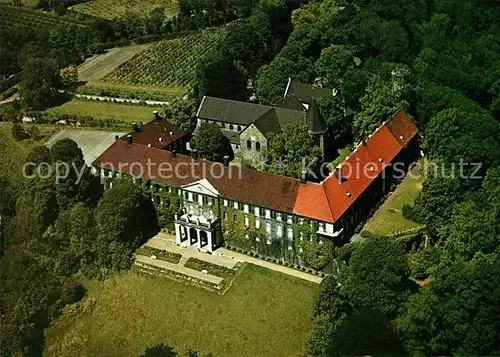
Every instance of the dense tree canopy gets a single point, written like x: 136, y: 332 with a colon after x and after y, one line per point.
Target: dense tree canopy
x: 211, y: 143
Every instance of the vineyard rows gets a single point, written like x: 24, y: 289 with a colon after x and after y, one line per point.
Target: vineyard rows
x: 111, y: 9
x: 11, y: 16
x: 168, y: 63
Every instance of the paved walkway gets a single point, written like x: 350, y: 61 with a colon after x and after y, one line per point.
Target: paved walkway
x: 276, y: 267
x: 178, y: 269
x: 161, y: 241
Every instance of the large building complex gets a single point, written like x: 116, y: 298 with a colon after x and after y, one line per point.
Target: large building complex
x: 256, y: 211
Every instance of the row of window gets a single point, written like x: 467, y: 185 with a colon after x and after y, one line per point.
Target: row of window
x: 228, y: 126
x: 195, y: 197
x: 249, y: 145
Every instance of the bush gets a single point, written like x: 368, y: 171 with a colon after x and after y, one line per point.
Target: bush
x: 408, y: 212
x: 18, y: 132
x: 423, y: 261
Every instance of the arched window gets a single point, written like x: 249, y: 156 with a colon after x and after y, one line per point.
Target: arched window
x: 257, y: 146
x: 249, y: 144
x: 230, y: 126
x: 239, y: 128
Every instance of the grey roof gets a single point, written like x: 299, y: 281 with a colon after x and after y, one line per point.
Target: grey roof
x: 291, y: 102
x: 314, y: 120
x: 305, y: 92
x: 230, y: 111
x: 232, y: 136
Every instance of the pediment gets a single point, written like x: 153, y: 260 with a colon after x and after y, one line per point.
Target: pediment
x: 203, y: 187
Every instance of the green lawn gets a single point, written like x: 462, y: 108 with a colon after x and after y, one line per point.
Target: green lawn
x: 13, y: 153
x: 389, y: 218
x: 106, y: 110
x: 263, y: 314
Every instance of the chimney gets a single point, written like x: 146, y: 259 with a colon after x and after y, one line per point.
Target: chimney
x: 129, y: 139
x: 303, y: 176
x: 155, y: 114
x: 134, y: 127
x: 194, y: 154
x: 226, y: 160
x: 174, y: 153
x: 116, y: 137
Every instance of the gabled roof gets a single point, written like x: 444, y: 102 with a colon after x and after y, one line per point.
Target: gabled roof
x: 157, y: 133
x: 230, y: 111
x: 268, y: 123
x: 326, y: 201
x: 305, y: 92
x: 351, y: 178
x: 291, y: 102
x: 239, y: 184
x: 314, y: 120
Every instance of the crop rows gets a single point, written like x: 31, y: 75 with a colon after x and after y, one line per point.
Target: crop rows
x: 168, y: 63
x: 11, y: 17
x: 111, y: 9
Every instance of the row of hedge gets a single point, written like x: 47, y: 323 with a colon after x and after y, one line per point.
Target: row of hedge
x: 160, y: 254
x: 217, y: 270
x: 278, y: 261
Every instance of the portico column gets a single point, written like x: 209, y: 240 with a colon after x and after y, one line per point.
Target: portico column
x: 189, y: 235
x: 209, y: 238
x: 199, y: 238
x: 178, y: 236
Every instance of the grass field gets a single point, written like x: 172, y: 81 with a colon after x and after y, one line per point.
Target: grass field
x: 106, y: 110
x: 13, y: 153
x: 168, y: 63
x: 98, y: 66
x: 389, y: 218
x: 111, y: 9
x: 264, y: 314
x: 25, y: 3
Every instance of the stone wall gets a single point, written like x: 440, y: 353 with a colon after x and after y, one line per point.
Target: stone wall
x: 252, y: 155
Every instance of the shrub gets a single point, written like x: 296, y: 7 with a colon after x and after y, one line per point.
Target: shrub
x: 408, y: 212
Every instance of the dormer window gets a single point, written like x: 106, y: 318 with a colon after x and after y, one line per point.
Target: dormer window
x: 231, y: 127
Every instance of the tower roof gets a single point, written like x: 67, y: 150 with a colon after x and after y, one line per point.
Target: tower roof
x: 314, y: 119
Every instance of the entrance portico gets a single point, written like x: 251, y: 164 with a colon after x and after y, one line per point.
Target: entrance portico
x: 196, y: 231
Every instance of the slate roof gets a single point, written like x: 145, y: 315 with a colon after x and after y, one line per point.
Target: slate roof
x: 314, y: 120
x: 230, y: 111
x: 326, y: 201
x: 305, y: 92
x: 158, y: 133
x: 291, y: 102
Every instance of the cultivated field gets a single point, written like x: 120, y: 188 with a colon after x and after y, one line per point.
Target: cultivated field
x: 389, y: 217
x: 105, y: 110
x: 111, y: 9
x: 168, y: 63
x: 25, y: 3
x: 264, y: 314
x: 98, y: 66
x: 11, y: 16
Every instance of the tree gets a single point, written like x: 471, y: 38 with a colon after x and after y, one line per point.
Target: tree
x: 457, y: 312
x: 334, y: 61
x: 271, y: 80
x: 160, y: 350
x: 454, y: 135
x: 381, y: 100
x: 377, y: 275
x: 7, y: 200
x: 182, y: 113
x: 66, y: 150
x: 18, y: 132
x: 125, y: 219
x: 211, y: 143
x: 219, y: 77
x: 37, y: 155
x: 39, y: 83
x: 291, y: 151
x: 333, y: 109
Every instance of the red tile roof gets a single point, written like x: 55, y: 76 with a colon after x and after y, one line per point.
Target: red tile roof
x: 325, y: 201
x: 242, y: 185
x: 159, y: 133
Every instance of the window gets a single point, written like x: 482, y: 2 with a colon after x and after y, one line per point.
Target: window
x: 231, y: 127
x: 246, y: 209
x: 247, y: 221
x: 261, y: 211
x: 321, y: 227
x: 279, y: 230
x: 257, y: 146
x: 249, y: 144
x: 205, y: 200
x: 290, y: 233
x: 195, y: 197
x: 268, y: 213
x: 239, y: 128
x: 279, y: 216
x: 273, y: 215
x: 289, y: 219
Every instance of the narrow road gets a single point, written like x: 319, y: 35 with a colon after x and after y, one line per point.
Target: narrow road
x: 120, y: 100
